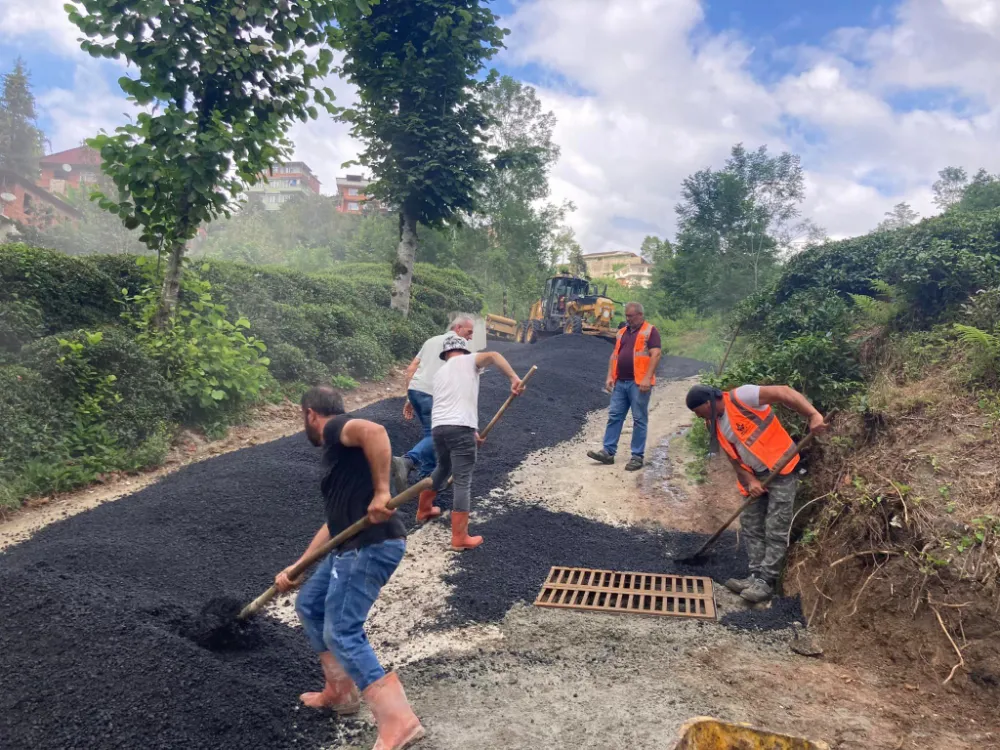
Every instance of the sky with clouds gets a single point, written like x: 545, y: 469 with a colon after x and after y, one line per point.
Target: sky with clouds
x: 876, y: 98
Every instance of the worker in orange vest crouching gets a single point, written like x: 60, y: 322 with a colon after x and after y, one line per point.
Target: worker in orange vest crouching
x: 743, y: 423
x: 631, y: 377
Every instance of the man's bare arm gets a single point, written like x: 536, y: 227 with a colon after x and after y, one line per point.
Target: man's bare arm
x: 788, y: 396
x: 411, y: 370
x: 654, y: 361
x: 484, y: 359
x: 282, y: 580
x: 374, y: 441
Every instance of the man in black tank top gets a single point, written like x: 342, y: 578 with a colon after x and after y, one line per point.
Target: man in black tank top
x: 334, y: 603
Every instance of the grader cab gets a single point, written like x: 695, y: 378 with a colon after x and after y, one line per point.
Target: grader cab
x: 569, y: 304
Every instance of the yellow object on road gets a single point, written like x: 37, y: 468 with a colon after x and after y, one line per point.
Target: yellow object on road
x: 706, y: 733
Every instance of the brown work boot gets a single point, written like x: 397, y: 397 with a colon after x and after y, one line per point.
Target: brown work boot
x: 426, y: 510
x: 460, y: 539
x: 398, y: 726
x: 339, y: 694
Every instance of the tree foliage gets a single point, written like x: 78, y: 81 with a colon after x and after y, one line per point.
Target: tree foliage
x: 420, y: 112
x: 955, y: 191
x: 95, y: 232
x: 22, y: 142
x: 219, y: 85
x: 733, y: 225
x: 901, y: 216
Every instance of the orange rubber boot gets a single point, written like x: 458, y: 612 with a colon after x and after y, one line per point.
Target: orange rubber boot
x: 460, y: 538
x: 426, y: 510
x: 339, y: 694
x: 398, y: 726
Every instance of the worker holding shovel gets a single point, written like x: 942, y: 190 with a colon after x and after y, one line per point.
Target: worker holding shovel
x: 455, y: 419
x: 334, y: 603
x: 744, y: 424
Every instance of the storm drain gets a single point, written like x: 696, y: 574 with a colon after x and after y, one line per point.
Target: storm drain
x: 637, y: 593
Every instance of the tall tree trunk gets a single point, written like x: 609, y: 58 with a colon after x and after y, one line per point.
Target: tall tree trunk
x: 403, y: 267
x: 171, y: 286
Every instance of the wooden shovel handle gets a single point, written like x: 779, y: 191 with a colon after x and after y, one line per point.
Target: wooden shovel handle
x: 782, y: 463
x: 358, y: 526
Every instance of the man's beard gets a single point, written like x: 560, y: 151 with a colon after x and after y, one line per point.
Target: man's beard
x: 314, y: 435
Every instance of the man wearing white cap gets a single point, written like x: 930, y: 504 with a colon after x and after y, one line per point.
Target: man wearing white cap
x: 455, y: 430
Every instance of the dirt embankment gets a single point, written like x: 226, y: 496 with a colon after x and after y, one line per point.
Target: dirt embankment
x: 901, y: 560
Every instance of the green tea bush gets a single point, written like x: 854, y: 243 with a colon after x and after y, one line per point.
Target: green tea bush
x: 804, y: 328
x: 20, y: 322
x: 213, y: 364
x: 71, y: 292
x: 88, y: 386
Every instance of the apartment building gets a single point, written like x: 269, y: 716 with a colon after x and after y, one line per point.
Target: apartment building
x: 283, y: 182
x: 626, y: 267
x: 351, y: 191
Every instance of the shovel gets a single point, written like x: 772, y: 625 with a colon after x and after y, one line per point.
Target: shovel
x: 358, y: 526
x: 699, y: 557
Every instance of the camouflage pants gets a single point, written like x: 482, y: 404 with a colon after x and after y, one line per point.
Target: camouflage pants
x: 765, y: 525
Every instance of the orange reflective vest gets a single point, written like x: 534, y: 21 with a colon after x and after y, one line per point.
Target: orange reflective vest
x: 641, y: 358
x: 759, y: 431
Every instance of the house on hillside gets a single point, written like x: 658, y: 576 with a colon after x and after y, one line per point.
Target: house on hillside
x: 24, y: 202
x: 626, y: 267
x: 72, y: 168
x: 351, y: 191
x: 282, y: 182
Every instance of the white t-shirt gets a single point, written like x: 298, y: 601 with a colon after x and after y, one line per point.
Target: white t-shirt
x: 430, y: 362
x: 749, y: 395
x: 456, y: 393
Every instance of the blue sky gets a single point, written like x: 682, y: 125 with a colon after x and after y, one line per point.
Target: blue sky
x: 875, y: 98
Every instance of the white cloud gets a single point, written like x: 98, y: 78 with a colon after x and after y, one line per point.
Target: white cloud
x: 45, y: 20
x: 645, y: 95
x: 83, y: 110
x: 658, y: 96
x: 325, y: 144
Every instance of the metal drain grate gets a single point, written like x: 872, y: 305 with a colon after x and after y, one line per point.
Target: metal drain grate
x: 638, y: 593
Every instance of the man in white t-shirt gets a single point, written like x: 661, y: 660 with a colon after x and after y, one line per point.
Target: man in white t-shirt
x: 743, y: 424
x: 419, y: 401
x: 455, y: 420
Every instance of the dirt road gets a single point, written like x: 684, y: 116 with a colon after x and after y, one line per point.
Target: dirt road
x: 91, y: 654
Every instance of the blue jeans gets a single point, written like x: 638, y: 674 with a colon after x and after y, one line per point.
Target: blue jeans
x: 422, y: 454
x: 625, y: 396
x: 334, y: 603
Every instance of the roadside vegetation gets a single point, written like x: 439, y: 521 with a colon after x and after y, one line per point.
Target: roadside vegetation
x: 89, y: 385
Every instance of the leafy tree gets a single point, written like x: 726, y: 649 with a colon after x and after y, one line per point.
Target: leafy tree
x: 22, y: 142
x: 220, y: 87
x: 981, y: 194
x: 654, y: 250
x: 95, y: 232
x: 901, y: 216
x: 420, y: 111
x: 734, y: 223
x: 516, y: 224
x: 949, y: 187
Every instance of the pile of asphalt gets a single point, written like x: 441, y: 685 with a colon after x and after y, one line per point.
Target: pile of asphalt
x: 96, y: 610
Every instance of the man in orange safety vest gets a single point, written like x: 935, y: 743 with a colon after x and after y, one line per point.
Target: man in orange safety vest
x: 743, y: 423
x: 631, y: 377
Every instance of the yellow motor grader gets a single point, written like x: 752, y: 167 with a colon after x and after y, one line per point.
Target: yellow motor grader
x: 569, y: 304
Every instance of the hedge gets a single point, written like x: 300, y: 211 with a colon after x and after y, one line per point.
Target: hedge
x: 317, y: 327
